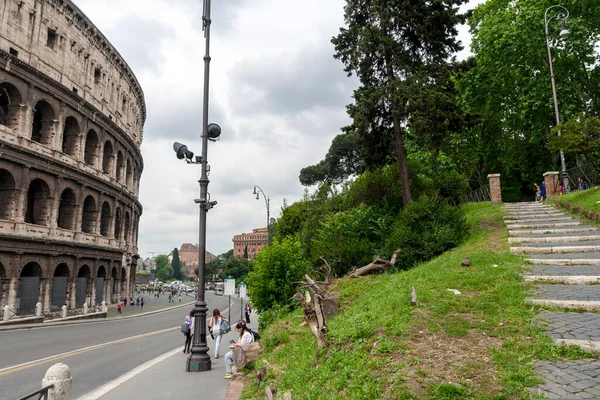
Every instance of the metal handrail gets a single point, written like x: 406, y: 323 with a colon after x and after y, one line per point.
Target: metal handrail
x: 42, y: 393
x: 587, y: 172
x: 481, y: 194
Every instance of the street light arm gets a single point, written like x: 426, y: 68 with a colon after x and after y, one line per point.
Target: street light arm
x: 562, y: 15
x: 258, y: 191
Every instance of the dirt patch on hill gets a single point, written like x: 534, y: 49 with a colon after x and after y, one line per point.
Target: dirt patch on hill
x: 464, y: 361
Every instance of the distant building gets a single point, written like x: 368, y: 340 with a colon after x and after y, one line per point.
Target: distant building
x: 188, y: 255
x: 253, y: 241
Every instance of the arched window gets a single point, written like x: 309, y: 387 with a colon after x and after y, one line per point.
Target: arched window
x: 8, y: 195
x: 127, y: 226
x: 70, y: 136
x: 38, y: 208
x: 120, y: 164
x: 118, y: 222
x: 67, y: 210
x: 81, y: 288
x: 128, y: 174
x: 42, y: 129
x: 105, y: 219
x: 10, y: 105
x: 91, y: 148
x: 100, y: 278
x: 88, y: 220
x: 107, y: 157
x: 29, y: 288
x: 60, y: 285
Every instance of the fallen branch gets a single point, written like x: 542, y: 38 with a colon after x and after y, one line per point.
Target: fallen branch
x: 379, y: 265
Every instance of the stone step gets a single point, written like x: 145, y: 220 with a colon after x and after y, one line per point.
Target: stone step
x: 563, y: 270
x: 556, y: 238
x: 544, y: 219
x: 591, y: 258
x: 570, y: 328
x: 566, y: 280
x: 557, y: 248
x: 581, y: 228
x: 572, y: 304
x: 538, y: 225
x: 512, y: 217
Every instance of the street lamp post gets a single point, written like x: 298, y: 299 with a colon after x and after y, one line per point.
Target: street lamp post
x: 561, y: 15
x: 256, y: 191
x: 199, y: 360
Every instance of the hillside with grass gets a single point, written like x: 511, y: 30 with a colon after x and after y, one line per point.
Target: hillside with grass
x: 471, y: 335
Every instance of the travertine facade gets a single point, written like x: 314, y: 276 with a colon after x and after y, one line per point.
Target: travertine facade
x: 253, y: 241
x: 71, y: 119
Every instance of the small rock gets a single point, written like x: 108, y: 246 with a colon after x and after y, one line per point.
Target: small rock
x: 453, y: 291
x: 495, y: 265
x: 465, y: 262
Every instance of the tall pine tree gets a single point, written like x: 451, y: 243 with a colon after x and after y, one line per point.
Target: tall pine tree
x: 176, y: 264
x: 399, y: 49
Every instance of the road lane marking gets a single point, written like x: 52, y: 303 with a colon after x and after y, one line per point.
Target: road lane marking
x: 102, y: 390
x: 41, y: 361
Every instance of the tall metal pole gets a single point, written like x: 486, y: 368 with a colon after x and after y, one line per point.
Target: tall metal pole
x: 562, y: 15
x: 258, y: 190
x: 199, y: 360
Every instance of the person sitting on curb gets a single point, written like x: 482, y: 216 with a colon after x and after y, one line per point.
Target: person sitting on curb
x: 246, y: 337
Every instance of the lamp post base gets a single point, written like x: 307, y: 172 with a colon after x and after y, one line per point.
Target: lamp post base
x: 198, y: 363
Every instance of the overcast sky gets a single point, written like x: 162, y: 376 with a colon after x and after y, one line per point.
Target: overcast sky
x: 275, y: 89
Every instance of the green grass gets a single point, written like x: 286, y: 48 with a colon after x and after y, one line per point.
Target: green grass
x: 588, y: 199
x: 480, y: 344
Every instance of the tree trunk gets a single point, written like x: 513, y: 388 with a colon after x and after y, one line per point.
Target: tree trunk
x: 245, y: 353
x: 379, y: 265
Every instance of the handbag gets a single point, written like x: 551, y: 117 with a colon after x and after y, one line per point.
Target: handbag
x: 185, y: 328
x: 225, y: 327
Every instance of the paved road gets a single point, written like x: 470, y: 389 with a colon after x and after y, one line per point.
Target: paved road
x: 121, y: 345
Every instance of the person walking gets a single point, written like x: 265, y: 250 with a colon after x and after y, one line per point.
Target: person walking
x: 247, y: 311
x: 189, y: 320
x: 214, y: 326
x: 119, y: 308
x: 142, y: 303
x: 180, y: 297
x: 246, y: 337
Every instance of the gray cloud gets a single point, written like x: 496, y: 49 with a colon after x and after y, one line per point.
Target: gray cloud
x: 305, y: 81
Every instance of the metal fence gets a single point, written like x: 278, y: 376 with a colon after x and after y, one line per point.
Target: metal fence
x: 481, y: 194
x: 41, y: 394
x: 587, y: 172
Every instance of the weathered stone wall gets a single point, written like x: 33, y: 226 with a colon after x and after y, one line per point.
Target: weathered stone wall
x: 71, y: 118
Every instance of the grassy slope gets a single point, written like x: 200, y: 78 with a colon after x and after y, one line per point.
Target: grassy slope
x: 588, y: 199
x: 479, y: 344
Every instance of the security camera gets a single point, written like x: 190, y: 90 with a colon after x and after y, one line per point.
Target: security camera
x: 213, y: 132
x: 182, y: 151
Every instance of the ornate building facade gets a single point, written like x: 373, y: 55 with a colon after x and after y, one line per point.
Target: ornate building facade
x: 253, y: 242
x: 188, y: 255
x: 71, y: 119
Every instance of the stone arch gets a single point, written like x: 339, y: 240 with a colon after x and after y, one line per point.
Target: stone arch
x: 38, y: 207
x: 105, y: 219
x: 100, y: 284
x: 81, y: 288
x: 67, y: 210
x: 91, y: 148
x: 9, y: 195
x: 29, y: 288
x: 128, y: 174
x: 70, y: 138
x: 89, y: 214
x: 127, y: 226
x: 10, y: 105
x: 107, y: 157
x: 60, y: 287
x: 118, y: 223
x: 42, y: 129
x: 120, y: 163
x: 123, y: 274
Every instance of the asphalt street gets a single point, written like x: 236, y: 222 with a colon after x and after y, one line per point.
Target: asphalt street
x: 96, y: 352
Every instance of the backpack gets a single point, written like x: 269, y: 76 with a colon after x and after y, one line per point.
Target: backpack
x: 255, y: 335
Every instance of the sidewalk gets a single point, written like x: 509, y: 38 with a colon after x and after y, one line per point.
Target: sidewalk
x: 165, y: 376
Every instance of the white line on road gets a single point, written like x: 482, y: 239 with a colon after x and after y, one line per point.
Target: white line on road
x: 102, y: 390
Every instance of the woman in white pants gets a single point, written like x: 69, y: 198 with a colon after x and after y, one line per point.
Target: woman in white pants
x: 215, y: 328
x: 246, y: 337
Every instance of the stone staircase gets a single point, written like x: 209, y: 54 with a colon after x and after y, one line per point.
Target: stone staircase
x: 565, y: 258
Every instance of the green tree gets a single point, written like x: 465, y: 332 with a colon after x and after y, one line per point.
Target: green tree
x: 161, y: 261
x: 276, y: 269
x: 341, y: 161
x: 166, y: 273
x: 237, y: 267
x: 176, y: 265
x: 399, y: 51
x: 508, y: 89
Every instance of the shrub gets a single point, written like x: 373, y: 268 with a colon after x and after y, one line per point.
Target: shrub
x: 425, y: 229
x: 276, y: 269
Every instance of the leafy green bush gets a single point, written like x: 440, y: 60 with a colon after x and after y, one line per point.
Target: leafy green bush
x: 277, y: 312
x: 425, y: 229
x: 351, y: 238
x: 276, y: 269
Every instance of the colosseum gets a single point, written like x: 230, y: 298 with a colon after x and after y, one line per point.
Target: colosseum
x: 71, y: 119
